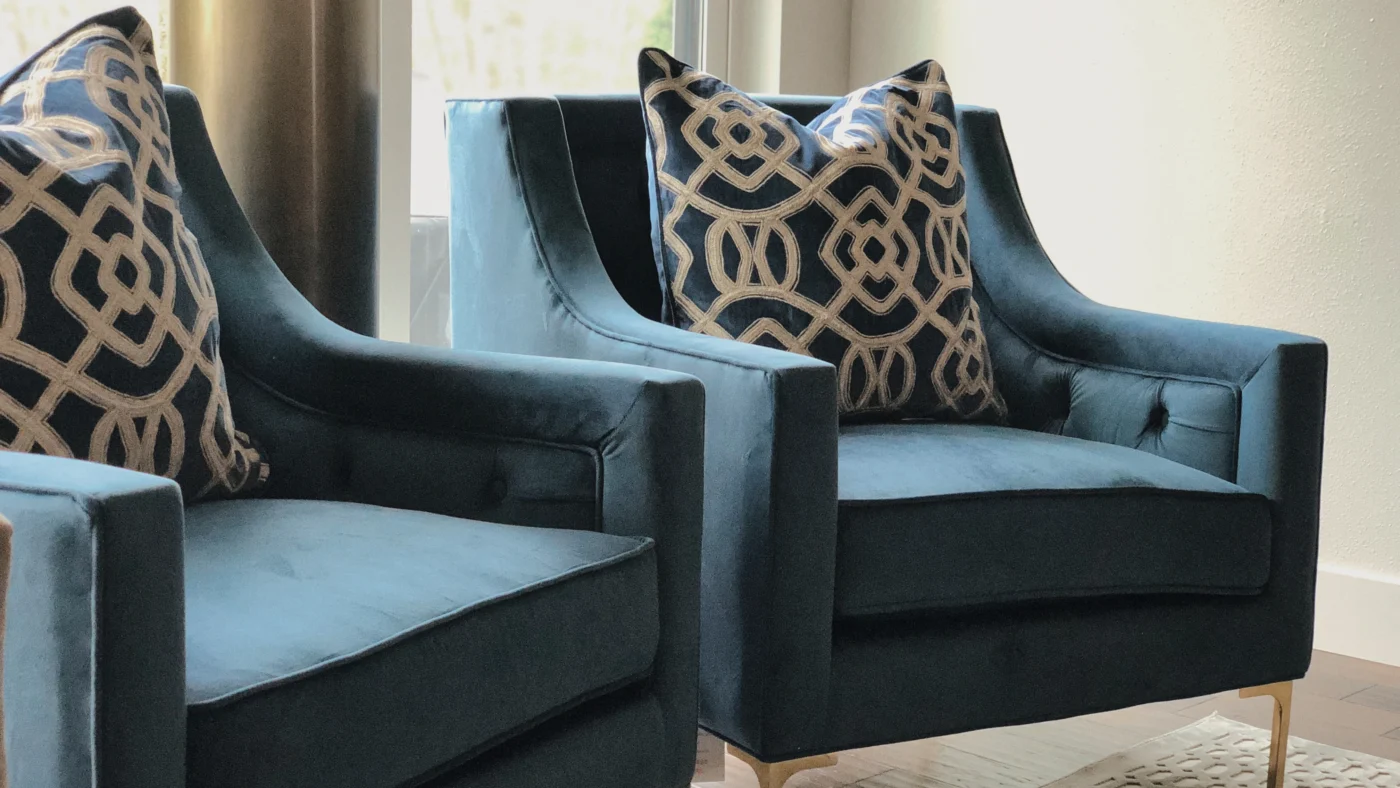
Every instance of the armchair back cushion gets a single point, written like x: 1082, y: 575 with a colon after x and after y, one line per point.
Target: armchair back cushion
x: 109, y: 338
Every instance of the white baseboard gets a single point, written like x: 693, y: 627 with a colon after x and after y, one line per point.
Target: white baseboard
x: 1358, y: 614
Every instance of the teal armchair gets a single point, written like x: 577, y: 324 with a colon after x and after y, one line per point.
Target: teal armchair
x: 1145, y: 528
x: 468, y: 569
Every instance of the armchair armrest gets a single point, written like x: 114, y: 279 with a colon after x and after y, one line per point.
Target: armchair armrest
x: 1047, y: 335
x: 527, y: 279
x: 95, y: 640
x: 1246, y: 404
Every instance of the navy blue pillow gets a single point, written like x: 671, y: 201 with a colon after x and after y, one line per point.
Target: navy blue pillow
x: 844, y: 239
x: 109, y: 331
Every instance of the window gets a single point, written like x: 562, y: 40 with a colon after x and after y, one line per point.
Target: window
x: 485, y: 48
x: 442, y: 48
x: 27, y: 25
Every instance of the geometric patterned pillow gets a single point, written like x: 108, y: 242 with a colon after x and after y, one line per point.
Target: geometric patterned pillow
x: 844, y: 239
x: 109, y: 332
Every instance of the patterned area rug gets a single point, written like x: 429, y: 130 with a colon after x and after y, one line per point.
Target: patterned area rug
x: 1220, y: 753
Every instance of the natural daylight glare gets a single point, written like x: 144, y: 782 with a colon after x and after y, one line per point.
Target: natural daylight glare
x: 27, y: 25
x: 488, y: 48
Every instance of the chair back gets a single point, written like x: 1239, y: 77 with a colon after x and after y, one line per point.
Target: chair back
x: 608, y: 149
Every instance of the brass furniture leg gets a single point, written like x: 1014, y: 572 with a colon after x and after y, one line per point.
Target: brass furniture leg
x: 773, y: 775
x: 1282, y: 693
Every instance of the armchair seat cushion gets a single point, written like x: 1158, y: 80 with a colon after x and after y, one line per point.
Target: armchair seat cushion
x: 940, y: 516
x: 353, y: 645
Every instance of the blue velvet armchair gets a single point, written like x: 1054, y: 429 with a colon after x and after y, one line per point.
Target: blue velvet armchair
x: 382, y: 616
x: 1144, y: 529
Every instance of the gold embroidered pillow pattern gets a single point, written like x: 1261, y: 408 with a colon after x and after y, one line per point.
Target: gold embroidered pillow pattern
x: 845, y: 239
x: 109, y: 333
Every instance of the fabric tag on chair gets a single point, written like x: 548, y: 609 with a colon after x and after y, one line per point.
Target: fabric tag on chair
x: 709, y: 758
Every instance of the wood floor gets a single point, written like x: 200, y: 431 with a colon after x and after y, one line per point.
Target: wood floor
x: 1344, y: 702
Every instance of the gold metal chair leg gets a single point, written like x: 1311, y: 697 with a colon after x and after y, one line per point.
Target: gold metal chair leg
x: 1282, y: 693
x: 773, y: 775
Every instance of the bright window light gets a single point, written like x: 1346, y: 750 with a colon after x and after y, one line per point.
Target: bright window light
x: 488, y: 48
x: 27, y: 25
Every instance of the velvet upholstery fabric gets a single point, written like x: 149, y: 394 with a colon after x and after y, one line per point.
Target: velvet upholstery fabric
x: 477, y: 435
x: 94, y: 647
x: 95, y: 662
x: 319, y: 631
x: 935, y: 517
x: 546, y: 230
x: 605, y: 742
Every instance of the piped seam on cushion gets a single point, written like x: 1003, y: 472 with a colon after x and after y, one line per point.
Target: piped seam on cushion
x: 543, y: 718
x: 947, y: 603
x: 644, y: 545
x: 1176, y: 422
x: 1106, y: 492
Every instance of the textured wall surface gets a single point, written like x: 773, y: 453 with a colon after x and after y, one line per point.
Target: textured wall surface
x: 785, y: 46
x: 1235, y: 161
x: 755, y: 45
x: 816, y: 47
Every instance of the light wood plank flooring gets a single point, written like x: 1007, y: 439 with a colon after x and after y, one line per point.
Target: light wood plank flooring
x: 1344, y: 702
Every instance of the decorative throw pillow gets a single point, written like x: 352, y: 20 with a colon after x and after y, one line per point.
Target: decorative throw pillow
x: 845, y: 239
x: 109, y: 332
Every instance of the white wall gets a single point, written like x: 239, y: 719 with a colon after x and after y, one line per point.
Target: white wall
x: 755, y: 45
x: 816, y: 47
x: 1234, y: 161
x: 783, y: 46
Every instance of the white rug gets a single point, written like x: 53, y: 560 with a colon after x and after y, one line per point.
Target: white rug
x: 1221, y: 753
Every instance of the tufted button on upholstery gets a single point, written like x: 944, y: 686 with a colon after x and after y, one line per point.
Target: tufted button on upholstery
x: 1156, y: 420
x: 497, y: 490
x: 1191, y: 421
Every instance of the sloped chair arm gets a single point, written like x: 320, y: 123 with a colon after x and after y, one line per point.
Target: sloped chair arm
x: 349, y: 416
x: 1246, y: 404
x: 95, y: 638
x: 536, y: 285
x: 1076, y: 366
